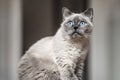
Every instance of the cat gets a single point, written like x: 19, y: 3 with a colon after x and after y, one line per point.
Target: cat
x: 62, y: 56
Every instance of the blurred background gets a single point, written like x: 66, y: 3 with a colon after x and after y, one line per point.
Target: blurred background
x: 23, y: 22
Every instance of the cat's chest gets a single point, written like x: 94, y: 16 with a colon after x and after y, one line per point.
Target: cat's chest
x: 69, y: 50
x: 72, y: 50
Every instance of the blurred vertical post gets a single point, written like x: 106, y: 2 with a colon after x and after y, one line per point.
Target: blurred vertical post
x: 101, y: 42
x: 10, y: 38
x: 105, y: 51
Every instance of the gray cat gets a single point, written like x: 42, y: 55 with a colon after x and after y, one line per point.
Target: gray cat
x: 62, y: 56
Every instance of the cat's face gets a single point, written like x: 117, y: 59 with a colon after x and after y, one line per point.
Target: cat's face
x: 77, y: 25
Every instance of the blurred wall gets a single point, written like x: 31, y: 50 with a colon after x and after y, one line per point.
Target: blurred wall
x: 37, y: 21
x: 105, y: 43
x: 10, y: 38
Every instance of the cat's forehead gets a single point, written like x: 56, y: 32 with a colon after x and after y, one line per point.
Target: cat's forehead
x: 76, y: 17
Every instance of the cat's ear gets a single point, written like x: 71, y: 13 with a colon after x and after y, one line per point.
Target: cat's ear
x: 89, y: 13
x: 66, y: 12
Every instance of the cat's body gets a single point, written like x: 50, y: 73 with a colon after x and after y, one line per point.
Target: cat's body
x: 60, y: 57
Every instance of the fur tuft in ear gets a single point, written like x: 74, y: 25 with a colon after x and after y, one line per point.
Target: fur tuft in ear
x: 89, y: 13
x: 66, y: 12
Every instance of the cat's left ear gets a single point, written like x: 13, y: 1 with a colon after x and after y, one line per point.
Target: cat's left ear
x: 66, y: 12
x: 89, y: 13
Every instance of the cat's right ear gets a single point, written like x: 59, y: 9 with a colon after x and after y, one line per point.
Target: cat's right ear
x: 66, y: 12
x: 89, y: 13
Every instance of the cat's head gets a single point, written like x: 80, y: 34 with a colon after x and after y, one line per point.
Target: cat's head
x: 77, y: 25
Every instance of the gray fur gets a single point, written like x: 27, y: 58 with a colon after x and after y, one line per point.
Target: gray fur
x: 60, y: 57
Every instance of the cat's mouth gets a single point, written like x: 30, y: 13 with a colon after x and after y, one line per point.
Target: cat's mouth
x: 77, y: 33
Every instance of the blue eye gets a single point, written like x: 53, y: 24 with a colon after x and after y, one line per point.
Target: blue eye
x: 82, y: 23
x: 70, y: 23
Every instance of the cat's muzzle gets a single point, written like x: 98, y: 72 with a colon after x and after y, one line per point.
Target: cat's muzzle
x: 77, y: 34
